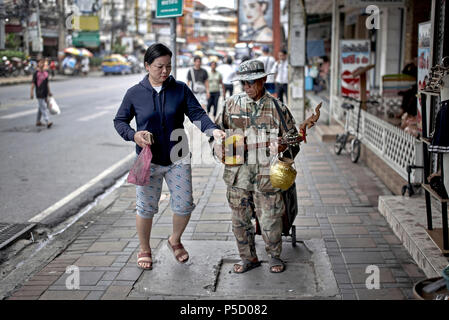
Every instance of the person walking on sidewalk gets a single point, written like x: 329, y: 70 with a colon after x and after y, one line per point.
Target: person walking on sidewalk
x: 197, y: 79
x: 215, y: 85
x: 159, y: 103
x: 268, y: 62
x: 227, y: 70
x: 254, y: 112
x: 281, y: 75
x: 41, y: 84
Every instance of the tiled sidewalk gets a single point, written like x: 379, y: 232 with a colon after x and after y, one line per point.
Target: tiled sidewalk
x: 338, y: 203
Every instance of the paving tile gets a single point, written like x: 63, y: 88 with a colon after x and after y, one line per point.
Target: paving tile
x: 413, y: 271
x: 94, y: 295
x: 306, y: 222
x: 118, y: 233
x: 356, y: 243
x: 305, y: 234
x: 213, y: 227
x: 380, y: 294
x: 116, y: 293
x: 344, y: 219
x: 350, y: 230
x: 87, y: 278
x: 129, y: 274
x: 95, y: 261
x: 104, y: 246
x: 64, y: 295
x: 363, y: 257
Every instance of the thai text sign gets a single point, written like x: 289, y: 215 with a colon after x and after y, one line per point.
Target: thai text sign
x: 168, y: 8
x: 354, y: 54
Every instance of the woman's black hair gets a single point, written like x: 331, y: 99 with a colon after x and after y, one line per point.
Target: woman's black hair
x: 155, y: 51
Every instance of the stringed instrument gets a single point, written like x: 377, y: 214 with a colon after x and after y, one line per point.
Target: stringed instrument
x: 236, y: 144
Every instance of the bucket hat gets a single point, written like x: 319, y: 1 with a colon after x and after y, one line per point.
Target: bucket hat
x: 251, y: 70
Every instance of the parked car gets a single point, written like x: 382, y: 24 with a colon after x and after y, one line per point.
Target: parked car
x: 115, y: 64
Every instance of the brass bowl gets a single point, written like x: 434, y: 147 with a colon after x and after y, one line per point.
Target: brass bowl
x: 282, y: 174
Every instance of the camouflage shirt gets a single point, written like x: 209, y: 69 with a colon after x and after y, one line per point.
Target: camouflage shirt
x: 258, y: 121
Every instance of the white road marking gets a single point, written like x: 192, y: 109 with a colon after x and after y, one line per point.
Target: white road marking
x: 41, y: 216
x: 93, y: 116
x: 19, y: 114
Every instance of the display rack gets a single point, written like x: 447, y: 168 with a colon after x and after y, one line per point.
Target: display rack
x: 440, y: 236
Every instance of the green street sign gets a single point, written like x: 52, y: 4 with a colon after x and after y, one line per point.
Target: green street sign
x: 86, y: 39
x: 168, y: 8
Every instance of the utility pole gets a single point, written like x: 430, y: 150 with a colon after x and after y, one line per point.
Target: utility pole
x: 60, y: 5
x: 173, y: 43
x: 2, y: 25
x: 297, y: 61
x: 148, y: 11
x: 136, y: 15
x: 112, y: 24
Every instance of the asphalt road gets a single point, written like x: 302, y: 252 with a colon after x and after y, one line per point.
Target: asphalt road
x: 40, y: 166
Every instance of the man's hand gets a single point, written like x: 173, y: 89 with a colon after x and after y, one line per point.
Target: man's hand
x: 276, y: 148
x: 31, y: 96
x: 143, y: 138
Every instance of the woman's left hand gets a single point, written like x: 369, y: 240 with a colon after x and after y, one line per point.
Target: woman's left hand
x: 218, y: 135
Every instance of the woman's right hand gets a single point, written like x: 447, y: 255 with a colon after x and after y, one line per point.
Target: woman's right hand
x: 143, y: 138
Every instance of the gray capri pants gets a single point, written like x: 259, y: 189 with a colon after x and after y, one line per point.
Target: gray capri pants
x: 179, y: 181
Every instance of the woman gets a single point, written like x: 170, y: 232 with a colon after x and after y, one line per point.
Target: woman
x: 257, y: 28
x: 215, y: 85
x: 159, y: 104
x: 41, y: 83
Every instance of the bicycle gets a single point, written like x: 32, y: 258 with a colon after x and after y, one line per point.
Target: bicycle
x: 342, y: 139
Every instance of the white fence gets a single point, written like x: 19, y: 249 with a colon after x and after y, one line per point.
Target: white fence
x: 394, y: 146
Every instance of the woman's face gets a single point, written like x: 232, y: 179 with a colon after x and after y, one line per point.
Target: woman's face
x: 159, y: 70
x: 253, y: 10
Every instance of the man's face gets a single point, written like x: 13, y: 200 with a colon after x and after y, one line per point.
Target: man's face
x: 256, y: 90
x: 197, y: 63
x: 282, y: 56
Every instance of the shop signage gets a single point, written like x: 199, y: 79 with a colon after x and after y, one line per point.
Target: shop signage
x: 354, y: 54
x: 86, y: 23
x: 379, y: 3
x: 424, y: 63
x: 86, y: 39
x: 168, y: 8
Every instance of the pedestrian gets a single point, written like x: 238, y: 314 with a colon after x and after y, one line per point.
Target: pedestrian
x: 197, y: 80
x: 85, y: 65
x: 227, y: 71
x: 41, y: 84
x: 254, y: 113
x: 215, y: 86
x: 280, y: 70
x: 159, y: 103
x: 268, y: 63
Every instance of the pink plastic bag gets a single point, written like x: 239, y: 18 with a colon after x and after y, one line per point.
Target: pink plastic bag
x: 140, y: 171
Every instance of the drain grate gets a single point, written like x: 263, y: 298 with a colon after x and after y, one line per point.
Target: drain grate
x: 10, y: 232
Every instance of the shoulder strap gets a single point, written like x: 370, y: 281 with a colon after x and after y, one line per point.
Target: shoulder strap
x: 281, y: 116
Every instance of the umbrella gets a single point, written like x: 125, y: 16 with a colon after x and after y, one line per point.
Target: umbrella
x: 78, y: 52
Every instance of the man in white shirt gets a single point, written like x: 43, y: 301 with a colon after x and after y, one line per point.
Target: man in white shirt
x: 281, y: 75
x: 227, y: 70
x: 268, y: 62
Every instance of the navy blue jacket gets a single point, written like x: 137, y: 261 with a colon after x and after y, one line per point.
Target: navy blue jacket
x: 161, y: 113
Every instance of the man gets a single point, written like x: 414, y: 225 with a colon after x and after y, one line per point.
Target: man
x: 40, y: 83
x: 281, y: 75
x: 268, y: 62
x: 197, y: 80
x: 215, y: 85
x: 253, y: 114
x: 228, y: 72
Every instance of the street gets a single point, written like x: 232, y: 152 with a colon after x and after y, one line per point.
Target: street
x: 41, y: 166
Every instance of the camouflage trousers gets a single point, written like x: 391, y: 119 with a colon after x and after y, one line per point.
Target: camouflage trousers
x: 269, y: 208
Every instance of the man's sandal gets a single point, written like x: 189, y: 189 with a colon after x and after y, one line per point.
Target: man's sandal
x: 276, y: 262
x: 144, y: 257
x: 175, y: 247
x: 246, y: 265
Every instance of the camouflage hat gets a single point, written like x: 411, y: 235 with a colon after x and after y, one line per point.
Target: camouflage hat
x: 251, y: 70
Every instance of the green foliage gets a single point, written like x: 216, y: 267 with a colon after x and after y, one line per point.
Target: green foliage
x: 12, y: 53
x: 117, y: 48
x: 95, y: 61
x: 12, y: 41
